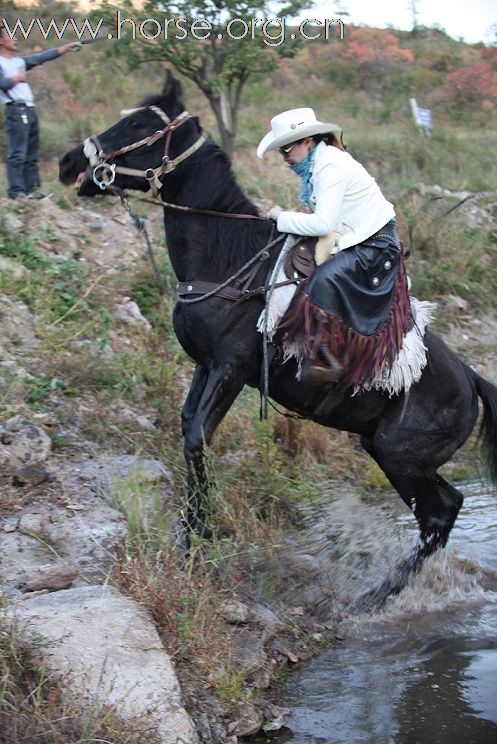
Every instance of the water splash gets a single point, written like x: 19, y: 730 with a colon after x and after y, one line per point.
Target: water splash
x: 423, y: 669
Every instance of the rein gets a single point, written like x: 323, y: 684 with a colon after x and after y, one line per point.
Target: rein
x: 182, y: 208
x: 104, y: 174
x: 209, y: 289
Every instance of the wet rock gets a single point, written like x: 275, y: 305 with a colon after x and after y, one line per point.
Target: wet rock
x: 276, y: 718
x: 108, y: 650
x: 248, y: 721
x: 235, y: 612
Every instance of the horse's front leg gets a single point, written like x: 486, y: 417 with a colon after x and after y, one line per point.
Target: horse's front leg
x: 211, y: 395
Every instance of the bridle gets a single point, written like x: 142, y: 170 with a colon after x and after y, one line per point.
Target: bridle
x: 104, y: 174
x: 104, y: 171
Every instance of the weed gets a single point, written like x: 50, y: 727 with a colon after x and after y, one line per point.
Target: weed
x: 35, y: 708
x: 38, y: 389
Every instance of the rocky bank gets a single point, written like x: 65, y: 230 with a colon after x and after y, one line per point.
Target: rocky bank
x: 63, y: 527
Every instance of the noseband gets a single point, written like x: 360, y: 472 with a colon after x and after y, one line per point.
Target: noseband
x: 104, y: 172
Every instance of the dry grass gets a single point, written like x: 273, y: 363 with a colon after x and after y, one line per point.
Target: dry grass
x: 184, y: 600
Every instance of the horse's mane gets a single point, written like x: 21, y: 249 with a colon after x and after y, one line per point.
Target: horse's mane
x: 217, y: 189
x: 152, y: 100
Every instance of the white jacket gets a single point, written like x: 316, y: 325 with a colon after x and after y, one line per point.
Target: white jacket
x: 344, y: 199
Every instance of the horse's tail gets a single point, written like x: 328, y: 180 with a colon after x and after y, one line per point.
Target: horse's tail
x: 488, y: 429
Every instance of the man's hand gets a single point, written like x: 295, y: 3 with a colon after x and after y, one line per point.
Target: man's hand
x: 72, y: 45
x: 274, y: 213
x: 20, y: 77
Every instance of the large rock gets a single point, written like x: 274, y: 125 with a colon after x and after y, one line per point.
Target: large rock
x: 110, y: 653
x: 84, y: 535
x: 84, y: 526
x: 27, y: 444
x: 150, y: 477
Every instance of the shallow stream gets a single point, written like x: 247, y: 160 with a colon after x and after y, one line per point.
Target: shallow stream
x: 424, y: 670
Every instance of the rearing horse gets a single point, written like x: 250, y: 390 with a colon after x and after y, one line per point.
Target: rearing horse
x: 409, y: 436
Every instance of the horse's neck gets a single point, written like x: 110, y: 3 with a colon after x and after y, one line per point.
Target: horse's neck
x: 206, y: 247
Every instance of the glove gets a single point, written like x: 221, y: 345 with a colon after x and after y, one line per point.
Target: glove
x: 274, y: 213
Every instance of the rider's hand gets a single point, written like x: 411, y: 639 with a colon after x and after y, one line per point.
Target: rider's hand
x: 274, y: 213
x: 20, y: 77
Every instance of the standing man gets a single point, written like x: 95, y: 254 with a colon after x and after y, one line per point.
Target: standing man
x: 21, y: 121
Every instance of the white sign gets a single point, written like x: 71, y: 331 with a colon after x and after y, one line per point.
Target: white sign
x: 422, y: 117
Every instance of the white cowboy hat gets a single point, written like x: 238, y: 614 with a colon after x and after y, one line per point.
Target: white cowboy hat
x: 291, y: 126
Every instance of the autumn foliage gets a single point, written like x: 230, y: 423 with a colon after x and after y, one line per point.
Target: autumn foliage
x: 473, y: 85
x: 374, y: 47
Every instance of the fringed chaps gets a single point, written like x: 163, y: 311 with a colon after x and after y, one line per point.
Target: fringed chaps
x: 364, y: 357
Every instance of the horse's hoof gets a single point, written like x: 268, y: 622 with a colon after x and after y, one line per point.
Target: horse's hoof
x: 370, y: 602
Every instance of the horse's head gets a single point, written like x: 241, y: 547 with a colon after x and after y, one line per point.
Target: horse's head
x: 137, y: 151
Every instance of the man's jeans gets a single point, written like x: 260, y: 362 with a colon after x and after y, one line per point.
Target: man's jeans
x: 23, y: 147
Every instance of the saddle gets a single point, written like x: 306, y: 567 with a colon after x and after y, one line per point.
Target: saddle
x: 300, y: 262
x: 309, y: 253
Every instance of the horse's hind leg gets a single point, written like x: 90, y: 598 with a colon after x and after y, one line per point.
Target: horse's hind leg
x: 212, y: 393
x: 435, y: 504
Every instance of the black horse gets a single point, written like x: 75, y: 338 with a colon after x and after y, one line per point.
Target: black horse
x: 410, y: 436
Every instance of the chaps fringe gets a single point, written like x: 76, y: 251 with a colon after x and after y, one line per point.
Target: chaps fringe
x: 364, y: 358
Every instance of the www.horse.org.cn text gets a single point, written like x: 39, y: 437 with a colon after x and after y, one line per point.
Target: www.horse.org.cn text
x: 271, y: 31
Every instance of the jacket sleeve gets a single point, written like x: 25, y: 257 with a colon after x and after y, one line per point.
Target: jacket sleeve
x: 329, y: 185
x: 33, y: 60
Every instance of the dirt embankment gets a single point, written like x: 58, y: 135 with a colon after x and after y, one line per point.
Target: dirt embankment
x: 83, y: 426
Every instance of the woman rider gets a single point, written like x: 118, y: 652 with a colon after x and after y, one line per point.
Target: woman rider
x: 355, y: 308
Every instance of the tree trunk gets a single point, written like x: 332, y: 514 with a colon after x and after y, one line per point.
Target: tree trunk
x: 224, y: 118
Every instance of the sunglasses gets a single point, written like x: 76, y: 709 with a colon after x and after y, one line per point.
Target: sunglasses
x: 287, y: 150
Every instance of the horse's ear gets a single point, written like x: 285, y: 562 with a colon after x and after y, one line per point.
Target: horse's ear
x: 172, y: 90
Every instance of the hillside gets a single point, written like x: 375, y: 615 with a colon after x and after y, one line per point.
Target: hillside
x: 92, y: 381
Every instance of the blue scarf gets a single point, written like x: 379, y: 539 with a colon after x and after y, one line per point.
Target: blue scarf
x: 303, y: 169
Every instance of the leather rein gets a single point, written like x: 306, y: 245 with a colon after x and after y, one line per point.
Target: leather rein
x: 237, y: 287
